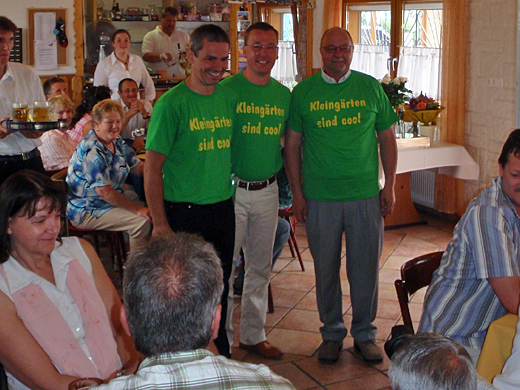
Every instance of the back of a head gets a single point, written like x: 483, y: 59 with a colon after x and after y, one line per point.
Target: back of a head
x: 428, y: 361
x: 172, y: 288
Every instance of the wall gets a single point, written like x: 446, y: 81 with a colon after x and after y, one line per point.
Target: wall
x: 18, y: 14
x: 490, y: 113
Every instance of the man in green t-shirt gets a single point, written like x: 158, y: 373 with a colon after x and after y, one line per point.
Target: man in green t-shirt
x: 262, y: 112
x: 337, y: 116
x: 188, y: 158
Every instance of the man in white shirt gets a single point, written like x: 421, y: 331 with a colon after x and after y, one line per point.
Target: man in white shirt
x: 18, y: 84
x: 162, y: 46
x: 137, y: 112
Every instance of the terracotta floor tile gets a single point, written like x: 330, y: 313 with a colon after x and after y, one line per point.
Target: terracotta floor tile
x: 413, y: 247
x: 415, y: 311
x: 272, y: 319
x: 347, y: 367
x: 395, y: 262
x: 299, y: 379
x: 296, y: 267
x: 293, y: 281
x: 283, y: 297
x: 368, y: 382
x: 389, y: 275
x: 295, y: 342
x: 387, y: 291
x: 306, y: 255
x: 384, y: 327
x: 301, y: 320
x: 281, y: 263
x: 388, y: 309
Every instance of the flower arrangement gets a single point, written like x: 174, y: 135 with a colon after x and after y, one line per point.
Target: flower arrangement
x: 396, y: 90
x: 423, y: 109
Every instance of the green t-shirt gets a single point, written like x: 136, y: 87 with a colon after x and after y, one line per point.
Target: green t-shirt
x: 194, y: 132
x: 262, y: 113
x: 339, y: 124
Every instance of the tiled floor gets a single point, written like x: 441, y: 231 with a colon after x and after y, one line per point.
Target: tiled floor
x: 294, y: 325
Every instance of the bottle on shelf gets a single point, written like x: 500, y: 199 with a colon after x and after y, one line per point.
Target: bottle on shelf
x: 118, y: 12
x: 113, y: 11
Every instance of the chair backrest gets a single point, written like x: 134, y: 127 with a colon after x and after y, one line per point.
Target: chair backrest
x: 415, y: 274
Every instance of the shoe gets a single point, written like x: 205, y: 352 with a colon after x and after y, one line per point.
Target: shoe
x: 264, y: 349
x: 369, y: 351
x: 329, y: 351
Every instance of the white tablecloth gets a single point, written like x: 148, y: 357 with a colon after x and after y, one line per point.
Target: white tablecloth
x: 441, y: 157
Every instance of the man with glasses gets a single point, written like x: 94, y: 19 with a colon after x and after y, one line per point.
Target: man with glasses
x: 338, y: 116
x: 262, y: 113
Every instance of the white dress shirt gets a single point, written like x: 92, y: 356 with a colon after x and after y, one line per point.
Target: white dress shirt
x: 111, y: 71
x: 19, y: 84
x: 156, y: 41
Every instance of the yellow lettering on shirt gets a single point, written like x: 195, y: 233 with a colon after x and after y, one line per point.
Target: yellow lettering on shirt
x: 343, y: 104
x: 211, y: 124
x: 262, y: 111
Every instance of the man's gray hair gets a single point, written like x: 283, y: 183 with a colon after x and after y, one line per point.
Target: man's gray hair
x: 429, y: 361
x: 172, y: 287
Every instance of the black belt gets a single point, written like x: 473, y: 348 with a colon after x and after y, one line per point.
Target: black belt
x: 256, y: 185
x: 21, y: 157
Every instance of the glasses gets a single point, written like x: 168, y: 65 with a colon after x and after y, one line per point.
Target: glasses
x: 343, y: 49
x: 258, y: 47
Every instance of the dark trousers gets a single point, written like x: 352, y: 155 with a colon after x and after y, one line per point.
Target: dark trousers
x: 216, y: 224
x: 7, y: 168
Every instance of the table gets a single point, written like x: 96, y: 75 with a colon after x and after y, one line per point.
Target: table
x: 441, y: 157
x: 497, y: 346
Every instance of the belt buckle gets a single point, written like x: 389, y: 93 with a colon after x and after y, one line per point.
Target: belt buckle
x: 26, y: 156
x: 247, y: 185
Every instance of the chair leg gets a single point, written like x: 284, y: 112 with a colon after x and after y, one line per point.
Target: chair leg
x: 292, y: 241
x: 270, y: 303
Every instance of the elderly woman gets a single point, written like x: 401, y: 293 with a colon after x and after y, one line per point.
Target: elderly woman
x: 97, y: 172
x: 121, y: 65
x: 60, y: 311
x: 82, y: 120
x: 57, y: 146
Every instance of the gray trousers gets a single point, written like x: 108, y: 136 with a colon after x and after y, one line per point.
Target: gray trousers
x: 362, y: 223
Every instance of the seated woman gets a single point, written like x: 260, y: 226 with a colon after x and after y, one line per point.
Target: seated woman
x: 97, y: 172
x: 121, y: 65
x: 57, y: 146
x: 82, y: 120
x: 60, y: 311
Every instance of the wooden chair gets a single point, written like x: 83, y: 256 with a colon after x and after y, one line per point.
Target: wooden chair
x: 114, y: 239
x: 288, y: 215
x: 415, y: 274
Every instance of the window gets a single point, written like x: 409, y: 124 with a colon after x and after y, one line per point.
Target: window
x: 411, y: 51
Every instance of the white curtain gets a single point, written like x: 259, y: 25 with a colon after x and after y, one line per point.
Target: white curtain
x: 421, y: 66
x: 370, y: 59
x: 285, y: 67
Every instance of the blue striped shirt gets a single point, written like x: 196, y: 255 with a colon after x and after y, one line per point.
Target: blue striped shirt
x: 92, y: 165
x: 460, y: 303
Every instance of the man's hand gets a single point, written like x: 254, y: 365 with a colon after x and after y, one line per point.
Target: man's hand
x: 387, y: 200
x: 138, y: 144
x: 3, y: 130
x: 138, y: 104
x: 144, y: 212
x: 84, y: 383
x: 299, y: 208
x: 167, y: 58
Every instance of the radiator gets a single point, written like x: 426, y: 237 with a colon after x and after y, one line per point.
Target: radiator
x: 422, y: 188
